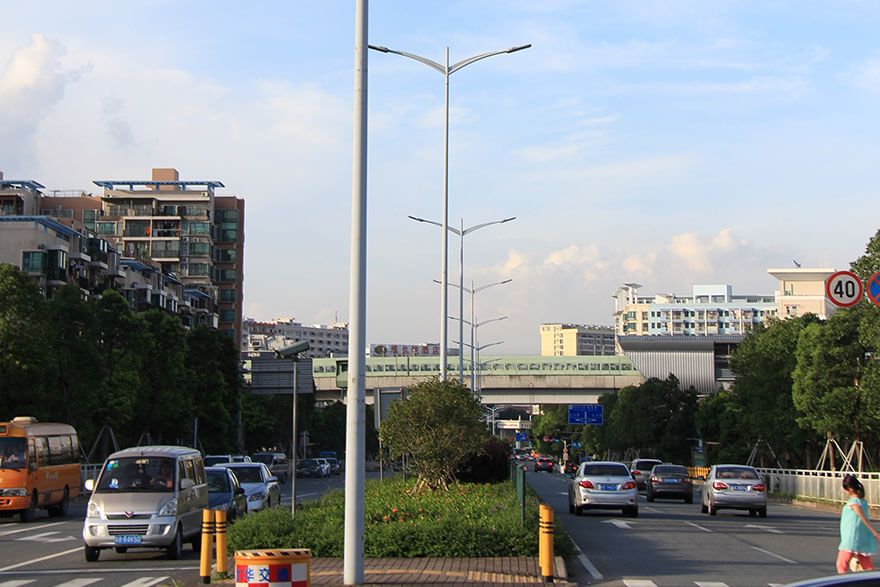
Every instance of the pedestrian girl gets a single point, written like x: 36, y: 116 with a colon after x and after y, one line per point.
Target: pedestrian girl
x: 857, y: 538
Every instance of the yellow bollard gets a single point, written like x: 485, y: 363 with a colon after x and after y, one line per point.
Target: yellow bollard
x: 207, y: 545
x: 220, y: 531
x: 545, y: 542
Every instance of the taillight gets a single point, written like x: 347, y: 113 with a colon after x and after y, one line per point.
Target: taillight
x: 635, y: 472
x: 687, y: 480
x: 719, y: 485
x: 758, y: 487
x: 586, y: 484
x: 628, y: 485
x: 654, y: 478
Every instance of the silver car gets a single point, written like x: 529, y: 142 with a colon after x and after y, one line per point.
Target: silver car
x: 260, y: 486
x: 734, y: 487
x: 603, y: 485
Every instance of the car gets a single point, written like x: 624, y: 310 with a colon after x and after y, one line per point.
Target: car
x: 146, y: 497
x: 544, y: 464
x: 260, y: 486
x: 309, y: 468
x: 603, y: 485
x: 570, y: 468
x: 325, y: 466
x: 669, y: 480
x: 861, y: 579
x: 214, y: 460
x: 641, y: 469
x: 226, y: 493
x: 335, y: 468
x: 737, y: 487
x: 276, y: 461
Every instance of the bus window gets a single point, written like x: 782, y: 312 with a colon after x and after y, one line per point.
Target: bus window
x: 12, y: 453
x: 42, y: 450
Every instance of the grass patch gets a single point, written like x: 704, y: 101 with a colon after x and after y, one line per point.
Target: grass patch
x: 470, y: 520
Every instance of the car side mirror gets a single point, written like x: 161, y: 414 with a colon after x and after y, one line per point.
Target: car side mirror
x: 273, y: 479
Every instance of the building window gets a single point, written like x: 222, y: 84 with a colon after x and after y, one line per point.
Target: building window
x: 227, y: 316
x: 228, y: 255
x: 227, y: 296
x: 33, y: 261
x: 199, y: 269
x: 106, y: 228
x: 199, y: 228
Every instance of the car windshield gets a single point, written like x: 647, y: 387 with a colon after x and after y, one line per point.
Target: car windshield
x: 218, y: 481
x: 210, y: 461
x: 155, y: 474
x: 238, y: 459
x: 736, y: 473
x: 12, y: 453
x: 645, y: 465
x: 309, y: 463
x: 605, y: 470
x: 248, y: 474
x: 669, y: 470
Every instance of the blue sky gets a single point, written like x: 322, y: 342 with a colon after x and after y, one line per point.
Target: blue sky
x: 666, y: 143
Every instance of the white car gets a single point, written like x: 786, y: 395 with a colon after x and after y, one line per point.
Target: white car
x: 325, y: 466
x: 603, y: 485
x: 260, y: 487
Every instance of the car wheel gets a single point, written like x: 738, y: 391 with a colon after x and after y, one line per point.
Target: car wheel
x: 703, y: 508
x: 762, y: 512
x: 59, y: 510
x: 753, y: 513
x: 197, y: 542
x: 121, y: 549
x: 632, y: 512
x: 173, y: 550
x: 689, y: 499
x: 91, y: 553
x: 650, y: 496
x: 28, y: 514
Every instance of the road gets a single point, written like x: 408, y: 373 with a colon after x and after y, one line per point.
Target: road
x: 48, y: 551
x: 672, y: 544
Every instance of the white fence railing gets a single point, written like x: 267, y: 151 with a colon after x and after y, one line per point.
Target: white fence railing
x: 826, y: 485
x: 88, y: 471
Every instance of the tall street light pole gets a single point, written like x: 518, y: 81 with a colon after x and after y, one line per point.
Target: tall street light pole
x: 446, y: 70
x: 474, y: 327
x: 462, y: 232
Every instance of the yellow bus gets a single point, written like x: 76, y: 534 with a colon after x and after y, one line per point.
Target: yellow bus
x: 39, y: 467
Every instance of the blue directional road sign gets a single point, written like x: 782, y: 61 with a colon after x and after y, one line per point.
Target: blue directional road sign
x: 585, y: 414
x: 520, y: 437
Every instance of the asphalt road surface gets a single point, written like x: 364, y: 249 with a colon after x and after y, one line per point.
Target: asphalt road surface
x: 672, y: 544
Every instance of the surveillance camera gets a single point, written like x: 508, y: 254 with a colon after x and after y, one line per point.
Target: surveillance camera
x: 292, y: 350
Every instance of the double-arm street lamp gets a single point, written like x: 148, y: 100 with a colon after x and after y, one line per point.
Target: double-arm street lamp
x: 474, y: 329
x: 462, y: 232
x: 446, y: 70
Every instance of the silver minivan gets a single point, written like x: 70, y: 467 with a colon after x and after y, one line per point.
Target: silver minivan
x: 146, y: 496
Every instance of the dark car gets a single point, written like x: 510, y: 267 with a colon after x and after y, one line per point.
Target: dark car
x: 309, y: 468
x: 570, y: 468
x: 544, y: 464
x: 863, y: 579
x: 641, y: 470
x: 670, y: 481
x: 276, y: 461
x: 225, y: 493
x: 335, y: 468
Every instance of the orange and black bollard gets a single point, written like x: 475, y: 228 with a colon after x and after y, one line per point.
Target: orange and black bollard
x: 207, y: 545
x: 545, y: 542
x: 220, y: 531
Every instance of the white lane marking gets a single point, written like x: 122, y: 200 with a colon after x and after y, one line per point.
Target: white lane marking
x: 80, y: 582
x: 698, y: 526
x: 16, y: 583
x: 619, y: 523
x: 41, y: 559
x: 646, y: 508
x: 145, y: 582
x: 28, y: 529
x: 639, y: 583
x: 767, y: 528
x: 594, y: 572
x: 710, y: 584
x: 44, y: 538
x: 780, y: 557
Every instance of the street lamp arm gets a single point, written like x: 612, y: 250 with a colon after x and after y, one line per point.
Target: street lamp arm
x: 469, y: 60
x: 449, y: 228
x: 430, y: 63
x: 482, y: 287
x: 478, y: 226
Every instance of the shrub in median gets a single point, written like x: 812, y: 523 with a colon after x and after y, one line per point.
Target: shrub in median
x: 467, y: 521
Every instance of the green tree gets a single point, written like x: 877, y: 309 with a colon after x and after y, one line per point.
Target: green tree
x: 23, y: 329
x: 832, y: 359
x: 869, y: 263
x: 764, y: 362
x: 215, y: 385
x: 718, y: 421
x: 437, y: 427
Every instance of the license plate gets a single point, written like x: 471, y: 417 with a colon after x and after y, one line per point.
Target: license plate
x: 670, y: 480
x: 609, y: 487
x: 135, y: 539
x: 740, y: 487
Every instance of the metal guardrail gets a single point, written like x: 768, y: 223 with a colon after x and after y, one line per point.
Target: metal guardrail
x: 88, y: 471
x: 827, y: 485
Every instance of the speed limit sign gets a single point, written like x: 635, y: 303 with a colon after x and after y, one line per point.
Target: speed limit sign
x: 844, y: 288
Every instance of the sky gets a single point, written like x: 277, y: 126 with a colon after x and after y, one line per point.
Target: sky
x: 667, y: 143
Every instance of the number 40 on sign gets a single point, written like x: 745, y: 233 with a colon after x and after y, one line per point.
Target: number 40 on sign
x: 844, y: 289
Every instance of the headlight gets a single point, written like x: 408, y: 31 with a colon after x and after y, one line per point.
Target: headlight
x: 95, y: 511
x: 257, y: 496
x: 169, y: 509
x: 14, y: 492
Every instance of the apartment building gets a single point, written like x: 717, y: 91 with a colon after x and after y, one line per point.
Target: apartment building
x: 801, y: 291
x: 324, y: 340
x: 192, y: 235
x: 710, y: 309
x: 568, y: 340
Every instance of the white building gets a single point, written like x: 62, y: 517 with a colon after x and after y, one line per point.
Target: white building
x: 324, y: 340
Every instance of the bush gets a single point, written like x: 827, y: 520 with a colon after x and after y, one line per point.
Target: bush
x: 467, y: 521
x: 490, y: 465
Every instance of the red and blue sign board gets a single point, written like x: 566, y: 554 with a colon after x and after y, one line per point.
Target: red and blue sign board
x: 844, y: 289
x: 873, y: 288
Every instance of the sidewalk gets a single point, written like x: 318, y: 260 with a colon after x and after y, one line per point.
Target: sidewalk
x: 422, y: 571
